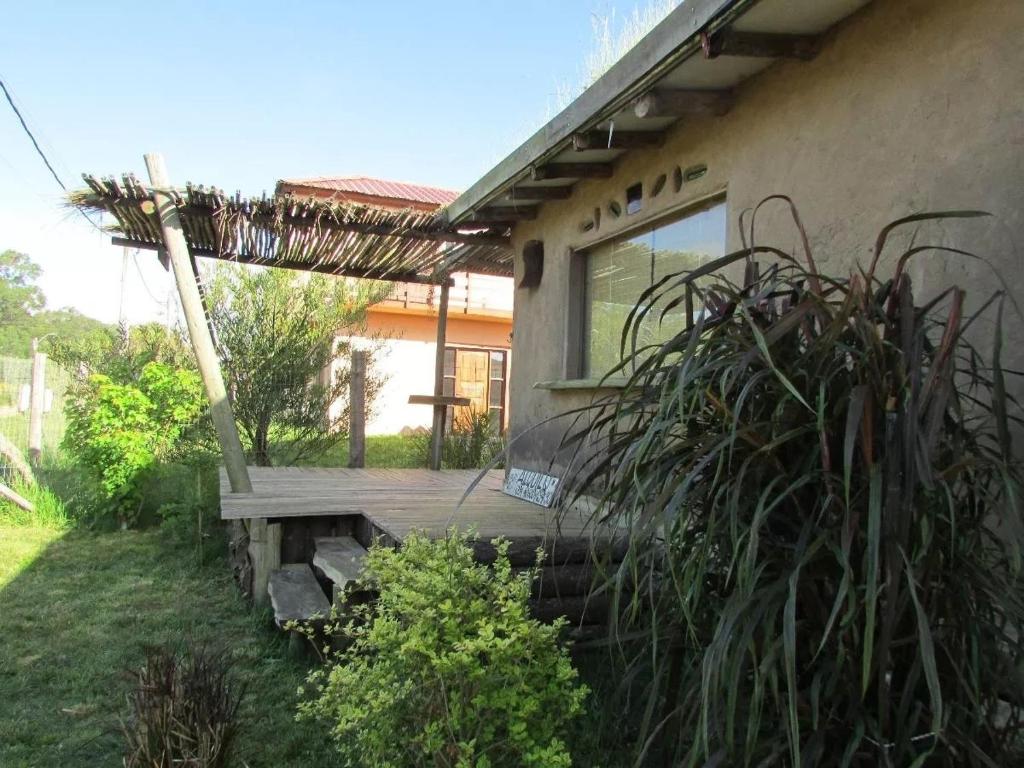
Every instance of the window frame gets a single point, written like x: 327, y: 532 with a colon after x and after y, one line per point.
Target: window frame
x: 504, y: 352
x: 575, y: 358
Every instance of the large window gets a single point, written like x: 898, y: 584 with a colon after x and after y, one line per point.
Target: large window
x: 617, y: 273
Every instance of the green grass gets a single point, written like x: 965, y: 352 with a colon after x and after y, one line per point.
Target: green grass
x: 385, y: 451
x: 77, y: 608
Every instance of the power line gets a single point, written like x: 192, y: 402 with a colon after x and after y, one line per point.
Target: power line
x: 39, y: 150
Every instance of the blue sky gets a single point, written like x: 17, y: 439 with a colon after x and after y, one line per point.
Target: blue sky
x: 242, y: 94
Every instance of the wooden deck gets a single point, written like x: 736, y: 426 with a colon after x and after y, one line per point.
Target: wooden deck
x: 396, y: 501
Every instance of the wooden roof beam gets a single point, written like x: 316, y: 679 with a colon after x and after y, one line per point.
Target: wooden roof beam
x: 540, y: 193
x: 504, y: 214
x: 324, y: 268
x: 683, y: 102
x: 729, y: 42
x: 571, y: 171
x: 612, y: 139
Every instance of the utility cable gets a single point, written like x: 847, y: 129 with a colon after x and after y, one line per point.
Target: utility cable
x: 39, y: 150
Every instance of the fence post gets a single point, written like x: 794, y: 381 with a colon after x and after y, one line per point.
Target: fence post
x: 36, y: 401
x: 357, y: 410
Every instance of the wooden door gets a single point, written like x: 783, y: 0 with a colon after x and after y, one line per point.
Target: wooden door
x: 471, y: 380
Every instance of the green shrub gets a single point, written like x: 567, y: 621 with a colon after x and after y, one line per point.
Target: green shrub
x: 118, y: 431
x: 447, y: 668
x: 183, y: 710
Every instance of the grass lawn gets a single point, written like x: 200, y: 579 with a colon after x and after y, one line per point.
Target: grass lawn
x: 391, y: 451
x: 77, y: 608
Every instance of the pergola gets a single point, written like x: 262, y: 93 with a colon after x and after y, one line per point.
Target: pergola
x: 347, y: 240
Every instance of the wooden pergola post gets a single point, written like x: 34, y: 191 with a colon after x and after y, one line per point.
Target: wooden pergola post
x: 198, y: 330
x: 437, y: 435
x: 264, y: 539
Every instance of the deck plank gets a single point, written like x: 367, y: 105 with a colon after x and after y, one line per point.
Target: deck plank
x: 397, y: 501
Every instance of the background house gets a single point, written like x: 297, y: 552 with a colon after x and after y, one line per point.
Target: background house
x: 479, y: 334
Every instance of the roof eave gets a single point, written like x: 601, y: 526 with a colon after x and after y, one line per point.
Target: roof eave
x: 663, y: 47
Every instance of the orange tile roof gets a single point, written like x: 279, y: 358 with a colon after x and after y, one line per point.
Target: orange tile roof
x: 367, y: 185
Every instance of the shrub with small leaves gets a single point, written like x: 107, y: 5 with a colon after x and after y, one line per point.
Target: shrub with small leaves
x: 118, y: 431
x: 447, y: 668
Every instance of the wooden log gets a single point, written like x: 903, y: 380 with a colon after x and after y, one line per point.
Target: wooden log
x: 443, y: 400
x: 561, y: 550
x: 15, y: 498
x: 37, y: 400
x: 764, y: 45
x: 571, y: 171
x: 198, y: 330
x: 539, y: 193
x: 323, y: 268
x: 569, y: 580
x: 357, y: 410
x: 579, y: 610
x: 12, y: 456
x: 504, y: 213
x: 265, y: 556
x: 437, y: 435
x: 682, y: 102
x: 581, y: 142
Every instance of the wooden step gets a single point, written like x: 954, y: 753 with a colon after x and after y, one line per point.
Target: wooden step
x: 296, y: 595
x: 341, y: 559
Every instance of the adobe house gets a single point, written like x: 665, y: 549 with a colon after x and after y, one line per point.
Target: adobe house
x: 479, y: 330
x: 861, y: 111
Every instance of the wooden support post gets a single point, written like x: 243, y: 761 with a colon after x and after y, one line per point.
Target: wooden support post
x: 357, y: 410
x: 37, y: 400
x: 264, y: 555
x: 198, y: 330
x: 437, y: 435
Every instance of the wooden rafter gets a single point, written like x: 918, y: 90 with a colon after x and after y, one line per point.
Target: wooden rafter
x: 571, y: 171
x: 612, y: 139
x: 729, y: 42
x: 682, y: 102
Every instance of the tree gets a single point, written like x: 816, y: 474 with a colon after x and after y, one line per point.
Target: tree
x: 22, y: 313
x: 277, y: 334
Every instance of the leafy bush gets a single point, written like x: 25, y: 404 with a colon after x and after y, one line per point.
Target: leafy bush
x: 447, y: 668
x: 279, y: 335
x: 813, y: 474
x: 472, y: 443
x: 183, y: 711
x: 117, y: 432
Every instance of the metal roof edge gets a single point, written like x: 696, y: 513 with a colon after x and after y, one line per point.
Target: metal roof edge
x: 647, y: 60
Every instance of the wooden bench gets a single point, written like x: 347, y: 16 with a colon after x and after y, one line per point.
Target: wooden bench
x: 295, y: 595
x: 341, y: 559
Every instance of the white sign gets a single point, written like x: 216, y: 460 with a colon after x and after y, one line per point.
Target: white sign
x: 531, y: 486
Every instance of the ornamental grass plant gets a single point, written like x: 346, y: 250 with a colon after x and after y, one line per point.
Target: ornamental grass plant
x: 819, y: 482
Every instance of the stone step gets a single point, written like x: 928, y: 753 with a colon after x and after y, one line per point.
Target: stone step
x: 295, y: 595
x: 340, y: 559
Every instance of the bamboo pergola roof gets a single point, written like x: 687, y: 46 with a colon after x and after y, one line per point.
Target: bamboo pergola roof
x: 345, y: 239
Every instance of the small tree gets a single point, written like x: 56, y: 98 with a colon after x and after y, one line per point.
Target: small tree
x: 278, y: 332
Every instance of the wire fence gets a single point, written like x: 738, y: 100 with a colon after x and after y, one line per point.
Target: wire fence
x: 15, y: 407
